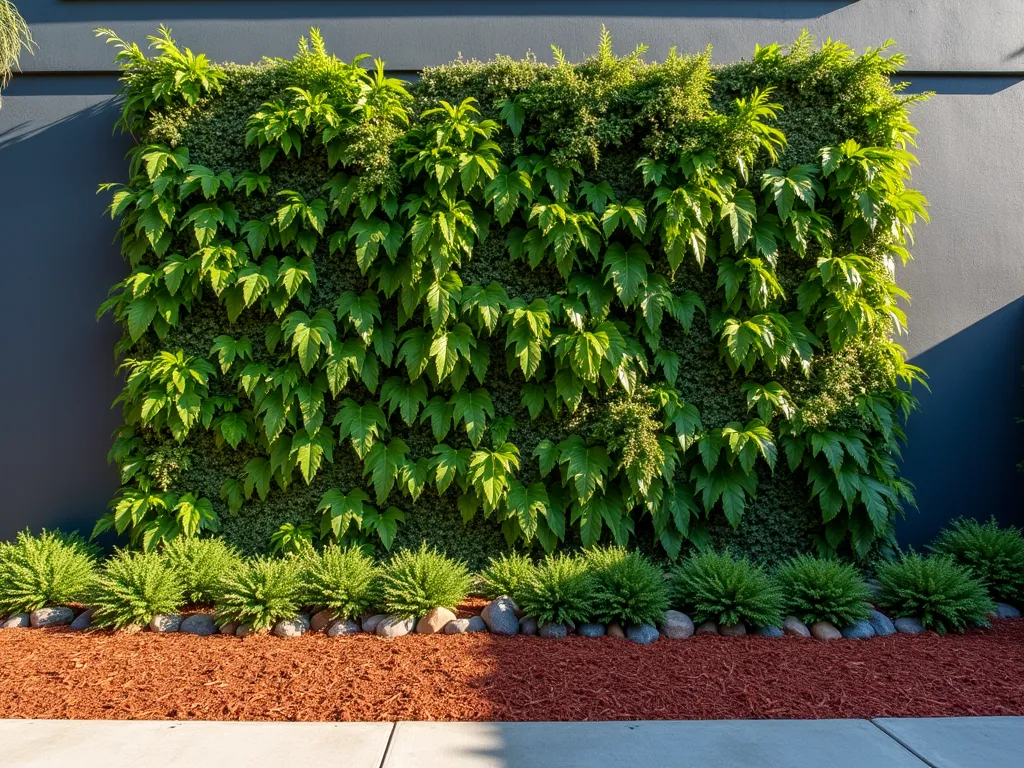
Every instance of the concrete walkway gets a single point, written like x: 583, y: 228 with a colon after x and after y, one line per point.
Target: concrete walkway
x: 986, y: 742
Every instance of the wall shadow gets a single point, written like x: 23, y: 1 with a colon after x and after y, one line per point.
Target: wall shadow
x: 959, y: 84
x: 59, y: 263
x: 962, y: 451
x: 44, y: 11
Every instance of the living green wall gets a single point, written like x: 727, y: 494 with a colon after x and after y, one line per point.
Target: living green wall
x: 515, y: 303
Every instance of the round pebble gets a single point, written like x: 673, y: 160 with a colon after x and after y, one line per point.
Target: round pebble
x: 553, y: 631
x: 907, y: 625
x: 859, y: 630
x: 677, y: 625
x: 644, y: 634
x: 882, y: 624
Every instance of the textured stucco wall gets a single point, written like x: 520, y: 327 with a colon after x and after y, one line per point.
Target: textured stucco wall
x: 56, y: 145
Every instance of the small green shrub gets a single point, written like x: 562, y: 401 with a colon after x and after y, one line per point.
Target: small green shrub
x: 45, y: 570
x: 716, y: 587
x: 823, y: 589
x: 260, y: 592
x: 560, y: 590
x: 993, y: 554
x: 343, y: 581
x: 201, y: 565
x: 506, y: 575
x: 415, y: 582
x: 944, y: 596
x: 132, y: 588
x: 630, y: 589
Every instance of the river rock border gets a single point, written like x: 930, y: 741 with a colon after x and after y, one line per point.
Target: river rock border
x: 499, y: 617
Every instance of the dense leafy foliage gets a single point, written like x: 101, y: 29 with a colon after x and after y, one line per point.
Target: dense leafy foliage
x: 993, y: 554
x: 45, y: 570
x: 559, y: 591
x: 506, y: 575
x: 596, y: 302
x: 200, y: 565
x: 630, y: 589
x: 944, y: 596
x: 415, y: 582
x: 712, y: 586
x: 132, y: 588
x: 818, y: 589
x: 343, y: 581
x: 260, y: 592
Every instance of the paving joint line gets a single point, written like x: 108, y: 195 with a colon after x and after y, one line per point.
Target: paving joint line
x: 903, y: 744
x: 387, y: 747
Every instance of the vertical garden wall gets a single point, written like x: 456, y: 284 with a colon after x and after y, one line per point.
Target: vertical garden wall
x: 606, y: 301
x: 965, y: 321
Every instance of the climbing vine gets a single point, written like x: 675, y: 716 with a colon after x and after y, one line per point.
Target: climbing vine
x: 496, y: 286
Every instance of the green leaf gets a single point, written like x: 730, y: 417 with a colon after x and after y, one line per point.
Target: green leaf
x: 586, y: 466
x: 741, y: 212
x: 449, y: 346
x: 228, y: 349
x: 830, y: 444
x: 382, y: 463
x: 232, y: 493
x: 384, y: 525
x: 140, y: 314
x: 449, y: 464
x: 627, y: 270
x: 631, y: 216
x: 233, y: 428
x: 405, y: 396
x: 513, y: 114
x: 473, y: 408
x: 340, y: 510
x: 363, y: 424
x: 504, y: 192
x: 309, y: 451
x: 309, y: 336
x: 528, y: 505
x: 533, y: 398
x: 440, y: 412
x: 484, y: 305
x: 194, y: 515
x: 489, y: 472
x: 362, y: 311
x: 669, y: 362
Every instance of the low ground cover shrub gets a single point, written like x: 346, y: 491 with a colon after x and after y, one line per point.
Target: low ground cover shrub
x: 414, y: 582
x: 629, y: 588
x: 506, y: 575
x: 343, y: 581
x: 714, y: 586
x: 46, y: 570
x: 823, y: 589
x: 201, y: 565
x: 133, y: 587
x: 993, y: 554
x: 943, y: 595
x: 559, y: 591
x: 260, y: 592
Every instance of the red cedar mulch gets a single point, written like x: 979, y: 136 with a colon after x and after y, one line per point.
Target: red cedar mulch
x: 54, y: 673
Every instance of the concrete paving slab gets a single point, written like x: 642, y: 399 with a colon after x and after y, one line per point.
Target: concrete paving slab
x: 762, y: 743
x: 961, y: 742
x: 167, y: 744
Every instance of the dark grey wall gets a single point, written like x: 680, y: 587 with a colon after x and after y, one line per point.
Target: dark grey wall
x: 967, y: 280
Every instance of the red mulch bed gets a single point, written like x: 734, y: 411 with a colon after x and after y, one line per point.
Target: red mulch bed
x: 54, y: 673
